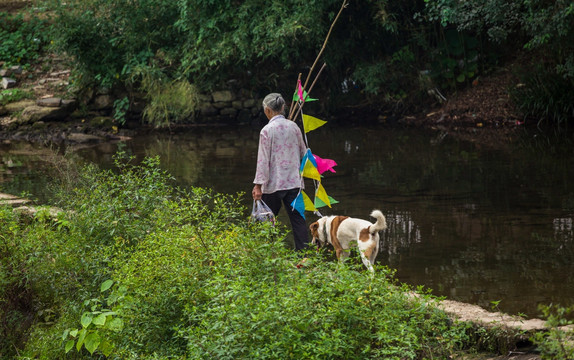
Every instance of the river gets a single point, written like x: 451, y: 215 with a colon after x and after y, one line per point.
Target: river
x: 471, y: 222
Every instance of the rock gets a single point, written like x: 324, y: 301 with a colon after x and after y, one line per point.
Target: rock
x: 69, y: 104
x: 83, y: 138
x: 249, y: 103
x: 228, y: 112
x: 18, y: 106
x: 5, y: 72
x: 244, y: 116
x: 46, y: 80
x: 238, y: 105
x: 208, y: 110
x: 102, y: 102
x: 16, y: 69
x: 102, y: 121
x: 39, y: 125
x: 205, y: 98
x: 31, y: 211
x: 223, y: 96
x: 3, y: 111
x: 245, y: 94
x: 8, y: 83
x: 49, y: 102
x: 36, y: 113
x: 221, y: 105
x: 60, y: 73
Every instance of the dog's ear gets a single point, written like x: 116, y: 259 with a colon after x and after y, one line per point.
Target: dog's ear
x: 314, y: 227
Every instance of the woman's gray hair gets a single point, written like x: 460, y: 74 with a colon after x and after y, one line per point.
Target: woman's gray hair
x: 275, y: 102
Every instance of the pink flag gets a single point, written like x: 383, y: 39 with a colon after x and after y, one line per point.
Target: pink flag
x: 300, y: 90
x: 324, y: 164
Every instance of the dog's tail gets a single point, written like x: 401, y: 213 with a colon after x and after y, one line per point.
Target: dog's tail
x: 381, y: 223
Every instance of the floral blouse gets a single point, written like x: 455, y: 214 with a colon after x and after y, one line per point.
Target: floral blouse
x: 281, y: 148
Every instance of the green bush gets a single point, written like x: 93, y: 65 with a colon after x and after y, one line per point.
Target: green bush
x: 544, y: 96
x: 136, y: 269
x: 557, y: 342
x: 13, y: 95
x: 21, y: 41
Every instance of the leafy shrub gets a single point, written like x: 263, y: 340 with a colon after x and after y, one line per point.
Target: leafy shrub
x: 557, y: 342
x: 545, y: 97
x: 21, y: 41
x: 96, y: 323
x: 12, y: 291
x: 12, y: 95
x: 174, y: 102
x: 109, y: 204
x: 136, y: 269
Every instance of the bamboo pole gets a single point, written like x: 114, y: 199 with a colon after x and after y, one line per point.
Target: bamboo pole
x: 343, y: 6
x: 293, y: 104
x: 300, y: 108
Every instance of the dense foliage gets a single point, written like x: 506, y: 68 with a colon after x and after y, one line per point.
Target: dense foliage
x: 381, y: 52
x: 21, y: 40
x: 135, y: 269
x: 543, y: 27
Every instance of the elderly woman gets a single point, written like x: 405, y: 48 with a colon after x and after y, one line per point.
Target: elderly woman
x: 277, y: 179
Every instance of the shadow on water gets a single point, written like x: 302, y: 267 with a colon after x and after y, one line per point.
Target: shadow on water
x: 472, y: 223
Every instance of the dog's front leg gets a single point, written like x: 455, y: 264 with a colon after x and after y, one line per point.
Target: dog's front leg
x: 366, y: 261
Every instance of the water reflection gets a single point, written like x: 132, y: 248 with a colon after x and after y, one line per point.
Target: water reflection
x: 401, y: 233
x: 471, y: 223
x: 563, y: 231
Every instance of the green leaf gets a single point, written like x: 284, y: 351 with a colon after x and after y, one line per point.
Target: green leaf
x: 74, y: 333
x: 65, y: 334
x: 116, y: 324
x: 100, y: 320
x: 92, y: 342
x: 80, y: 342
x: 86, y: 319
x: 69, y: 346
x: 106, y: 348
x: 460, y: 78
x: 106, y: 285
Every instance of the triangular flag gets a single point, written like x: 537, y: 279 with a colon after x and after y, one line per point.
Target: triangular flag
x: 299, y: 204
x: 311, y: 157
x: 309, y: 206
x: 300, y: 91
x: 324, y: 164
x: 319, y: 203
x: 311, y: 123
x: 310, y: 171
x: 322, y: 194
x: 308, y: 156
x: 305, y: 96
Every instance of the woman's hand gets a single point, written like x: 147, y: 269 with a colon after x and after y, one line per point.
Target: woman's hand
x: 256, y: 193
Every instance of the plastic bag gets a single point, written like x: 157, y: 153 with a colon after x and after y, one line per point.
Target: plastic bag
x: 261, y: 212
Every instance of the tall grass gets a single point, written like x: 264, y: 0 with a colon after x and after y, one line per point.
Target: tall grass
x: 545, y: 97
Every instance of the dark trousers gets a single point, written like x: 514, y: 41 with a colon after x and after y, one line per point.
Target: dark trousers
x: 297, y: 221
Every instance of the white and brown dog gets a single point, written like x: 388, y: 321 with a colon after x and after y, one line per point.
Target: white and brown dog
x: 343, y: 232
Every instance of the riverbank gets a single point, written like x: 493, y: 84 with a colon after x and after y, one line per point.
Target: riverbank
x: 482, y: 113
x: 508, y: 335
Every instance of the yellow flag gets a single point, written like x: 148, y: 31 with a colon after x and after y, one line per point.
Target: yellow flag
x: 308, y: 203
x: 310, y: 171
x: 319, y: 203
x: 310, y: 123
x: 322, y: 194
